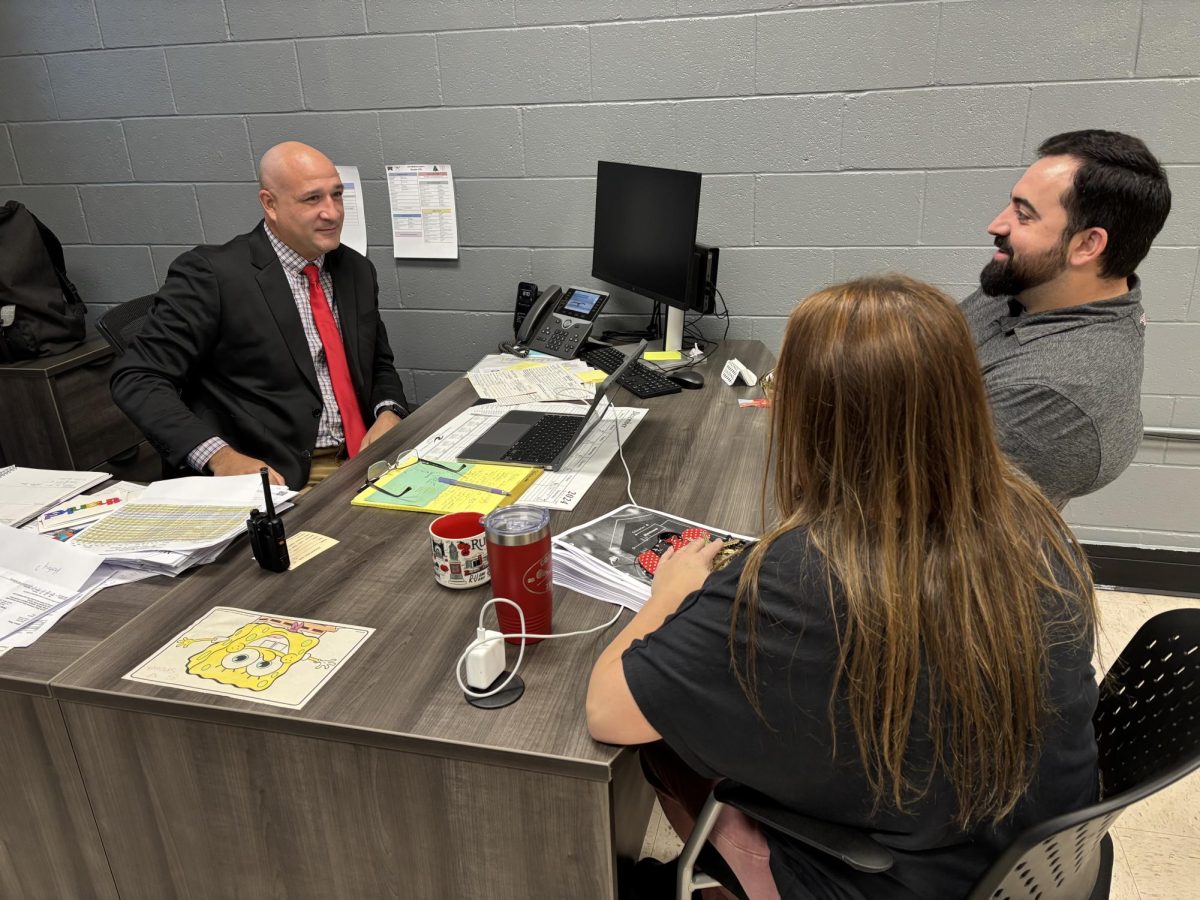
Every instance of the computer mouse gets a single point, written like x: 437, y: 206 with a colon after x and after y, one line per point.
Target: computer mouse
x: 687, y: 378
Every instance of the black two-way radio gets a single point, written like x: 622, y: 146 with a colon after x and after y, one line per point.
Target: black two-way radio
x: 267, y: 539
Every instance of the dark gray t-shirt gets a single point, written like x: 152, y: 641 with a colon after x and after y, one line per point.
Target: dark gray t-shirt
x: 681, y: 678
x: 1065, y: 387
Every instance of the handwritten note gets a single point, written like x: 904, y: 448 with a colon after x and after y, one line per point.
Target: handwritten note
x: 304, y: 545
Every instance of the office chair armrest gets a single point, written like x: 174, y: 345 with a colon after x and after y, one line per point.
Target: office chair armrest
x: 851, y: 846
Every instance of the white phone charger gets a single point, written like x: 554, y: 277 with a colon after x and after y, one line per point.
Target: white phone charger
x: 734, y: 370
x: 485, y: 659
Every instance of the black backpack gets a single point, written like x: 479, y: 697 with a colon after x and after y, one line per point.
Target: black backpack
x: 40, y: 310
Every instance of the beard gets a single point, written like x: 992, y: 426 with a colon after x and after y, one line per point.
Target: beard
x: 1009, y: 277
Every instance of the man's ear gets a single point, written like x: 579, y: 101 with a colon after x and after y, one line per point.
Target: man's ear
x: 1087, y: 246
x: 268, y: 204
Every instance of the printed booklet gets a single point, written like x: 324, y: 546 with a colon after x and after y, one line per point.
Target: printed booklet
x: 613, y: 558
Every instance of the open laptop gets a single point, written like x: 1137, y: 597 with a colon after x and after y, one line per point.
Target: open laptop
x: 543, y: 440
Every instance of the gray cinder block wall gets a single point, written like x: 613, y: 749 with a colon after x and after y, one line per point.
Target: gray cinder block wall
x: 836, y: 139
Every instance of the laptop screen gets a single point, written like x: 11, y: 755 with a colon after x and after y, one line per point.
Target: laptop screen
x: 590, y: 419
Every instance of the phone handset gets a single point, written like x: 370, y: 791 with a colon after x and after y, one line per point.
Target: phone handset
x: 538, y: 312
x: 533, y: 319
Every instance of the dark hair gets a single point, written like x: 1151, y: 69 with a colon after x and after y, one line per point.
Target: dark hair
x: 1120, y: 187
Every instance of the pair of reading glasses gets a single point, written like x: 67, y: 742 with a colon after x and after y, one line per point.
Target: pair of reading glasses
x: 378, y: 469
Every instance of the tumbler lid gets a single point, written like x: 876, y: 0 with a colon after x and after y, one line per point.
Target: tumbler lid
x: 516, y: 525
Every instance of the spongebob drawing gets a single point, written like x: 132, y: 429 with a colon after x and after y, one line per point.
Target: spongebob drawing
x: 259, y: 652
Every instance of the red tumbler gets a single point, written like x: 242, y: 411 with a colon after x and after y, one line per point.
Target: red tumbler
x: 518, y: 540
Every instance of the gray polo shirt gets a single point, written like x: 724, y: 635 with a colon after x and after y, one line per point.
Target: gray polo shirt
x: 1064, y: 385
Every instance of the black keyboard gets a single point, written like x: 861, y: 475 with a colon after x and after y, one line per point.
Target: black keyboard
x: 641, y: 381
x: 542, y: 443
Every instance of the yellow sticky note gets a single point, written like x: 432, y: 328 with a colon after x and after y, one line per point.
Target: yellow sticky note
x: 528, y: 364
x: 304, y: 545
x: 662, y: 355
x: 592, y: 376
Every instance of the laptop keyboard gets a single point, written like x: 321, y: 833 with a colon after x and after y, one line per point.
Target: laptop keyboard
x: 544, y: 441
x: 639, y: 380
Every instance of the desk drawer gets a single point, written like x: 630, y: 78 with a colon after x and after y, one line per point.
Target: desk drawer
x: 94, y: 428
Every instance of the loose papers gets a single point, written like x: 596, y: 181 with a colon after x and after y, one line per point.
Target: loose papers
x: 25, y: 493
x: 554, y: 490
x: 611, y: 557
x: 37, y: 575
x: 424, y: 217
x: 106, y: 575
x: 532, y: 381
x: 354, y: 222
x: 179, y: 523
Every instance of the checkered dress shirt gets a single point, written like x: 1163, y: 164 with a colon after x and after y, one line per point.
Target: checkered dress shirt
x: 329, y: 426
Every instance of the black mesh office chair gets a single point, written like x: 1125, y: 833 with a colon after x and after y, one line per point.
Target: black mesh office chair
x: 121, y: 323
x: 1148, y: 734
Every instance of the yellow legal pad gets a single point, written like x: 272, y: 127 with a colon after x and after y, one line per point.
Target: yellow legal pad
x: 423, y: 492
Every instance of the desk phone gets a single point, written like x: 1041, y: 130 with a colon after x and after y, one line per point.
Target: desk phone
x: 561, y: 321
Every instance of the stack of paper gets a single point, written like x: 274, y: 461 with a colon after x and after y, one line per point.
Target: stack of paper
x: 174, y: 525
x: 613, y: 558
x: 106, y: 575
x: 165, y: 529
x: 509, y: 381
x: 37, y: 578
x: 77, y: 513
x: 25, y: 493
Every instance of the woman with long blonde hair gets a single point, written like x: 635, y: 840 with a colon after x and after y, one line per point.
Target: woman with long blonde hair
x: 907, y: 650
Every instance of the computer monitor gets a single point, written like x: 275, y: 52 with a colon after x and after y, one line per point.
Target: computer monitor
x: 645, y: 238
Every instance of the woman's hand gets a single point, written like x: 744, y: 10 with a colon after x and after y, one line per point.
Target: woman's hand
x: 680, y: 572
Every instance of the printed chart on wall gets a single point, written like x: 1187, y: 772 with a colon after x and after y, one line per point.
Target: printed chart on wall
x: 253, y: 656
x: 424, y: 215
x: 354, y: 224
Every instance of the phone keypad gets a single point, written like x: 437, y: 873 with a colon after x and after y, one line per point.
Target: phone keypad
x: 560, y: 339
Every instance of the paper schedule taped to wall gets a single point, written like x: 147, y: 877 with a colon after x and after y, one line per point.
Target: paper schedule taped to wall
x: 424, y: 216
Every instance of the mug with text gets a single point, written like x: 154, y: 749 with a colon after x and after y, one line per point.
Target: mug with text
x: 460, y: 556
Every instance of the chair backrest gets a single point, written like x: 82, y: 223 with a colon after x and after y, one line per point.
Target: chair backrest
x: 1146, y: 721
x: 121, y: 323
x: 1148, y: 735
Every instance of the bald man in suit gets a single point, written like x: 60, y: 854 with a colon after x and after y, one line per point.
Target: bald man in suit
x: 268, y: 350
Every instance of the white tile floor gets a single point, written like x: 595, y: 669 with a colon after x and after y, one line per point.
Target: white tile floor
x: 1156, y: 843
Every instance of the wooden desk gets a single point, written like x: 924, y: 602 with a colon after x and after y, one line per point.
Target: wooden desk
x: 49, y: 844
x: 387, y: 784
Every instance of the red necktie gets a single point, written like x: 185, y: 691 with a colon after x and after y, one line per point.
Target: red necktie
x: 335, y: 357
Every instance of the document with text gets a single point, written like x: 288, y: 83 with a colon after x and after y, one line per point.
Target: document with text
x: 354, y: 224
x: 423, y: 211
x: 37, y: 575
x: 553, y: 490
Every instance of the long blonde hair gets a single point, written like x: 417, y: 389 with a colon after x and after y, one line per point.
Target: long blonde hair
x: 943, y: 554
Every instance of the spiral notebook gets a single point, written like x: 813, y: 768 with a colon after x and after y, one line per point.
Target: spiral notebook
x: 447, y: 487
x: 25, y: 493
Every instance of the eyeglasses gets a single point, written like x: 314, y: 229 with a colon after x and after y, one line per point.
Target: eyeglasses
x: 378, y: 469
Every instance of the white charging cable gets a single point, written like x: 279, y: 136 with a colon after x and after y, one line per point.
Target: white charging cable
x: 481, y: 637
x: 621, y: 453
x: 458, y: 666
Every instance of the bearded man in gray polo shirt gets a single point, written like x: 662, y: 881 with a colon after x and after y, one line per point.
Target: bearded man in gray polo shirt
x: 1058, y: 320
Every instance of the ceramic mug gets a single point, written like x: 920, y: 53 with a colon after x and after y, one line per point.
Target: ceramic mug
x: 460, y: 556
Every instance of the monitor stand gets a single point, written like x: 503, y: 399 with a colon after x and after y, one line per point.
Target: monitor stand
x: 674, y: 337
x: 672, y: 341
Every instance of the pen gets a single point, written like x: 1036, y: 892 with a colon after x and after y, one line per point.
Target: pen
x: 474, y: 487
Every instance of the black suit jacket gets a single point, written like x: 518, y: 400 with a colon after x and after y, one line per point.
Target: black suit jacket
x: 223, y: 353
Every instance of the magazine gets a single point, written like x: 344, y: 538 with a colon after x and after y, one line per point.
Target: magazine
x: 613, y: 557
